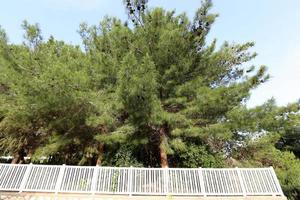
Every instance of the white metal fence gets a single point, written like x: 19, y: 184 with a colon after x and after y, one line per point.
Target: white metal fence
x: 140, y: 181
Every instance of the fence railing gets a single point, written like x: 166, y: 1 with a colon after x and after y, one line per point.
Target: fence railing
x: 140, y: 181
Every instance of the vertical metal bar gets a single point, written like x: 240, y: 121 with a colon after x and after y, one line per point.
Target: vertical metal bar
x: 210, y: 181
x: 144, y: 189
x: 214, y: 181
x: 180, y: 180
x: 103, y: 176
x: 7, y: 180
x: 276, y: 181
x: 176, y: 180
x: 220, y: 180
x: 253, y: 175
x: 171, y: 188
x: 77, y: 180
x: 248, y: 187
x: 39, y: 177
x: 110, y: 171
x: 185, y: 182
x: 25, y: 178
x: 193, y: 181
x: 166, y: 178
x: 134, y: 183
x: 152, y: 181
x: 74, y: 176
x: 45, y: 178
x: 119, y: 180
x: 202, y: 187
x: 59, y: 178
x: 155, y: 189
x: 241, y: 181
x: 232, y: 181
x: 124, y: 173
x: 105, y: 181
x: 224, y: 182
x: 130, y: 181
x: 149, y: 181
x: 94, y: 179
x: 262, y: 182
x: 258, y: 181
x: 140, y: 179
x: 267, y: 183
x: 100, y: 175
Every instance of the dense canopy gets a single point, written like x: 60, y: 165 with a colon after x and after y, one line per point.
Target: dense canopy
x: 148, y: 92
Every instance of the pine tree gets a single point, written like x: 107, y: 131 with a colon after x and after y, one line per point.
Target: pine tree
x: 47, y: 97
x: 173, y: 88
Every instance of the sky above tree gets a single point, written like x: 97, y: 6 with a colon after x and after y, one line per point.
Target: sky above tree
x: 273, y: 25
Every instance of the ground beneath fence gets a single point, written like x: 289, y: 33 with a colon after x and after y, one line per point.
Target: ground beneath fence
x: 50, y: 196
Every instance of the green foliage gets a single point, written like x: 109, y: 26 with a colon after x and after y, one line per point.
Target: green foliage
x: 123, y: 157
x: 262, y: 153
x: 137, y: 89
x: 32, y: 34
x: 291, y: 140
x: 47, y: 94
x: 3, y: 36
x: 288, y: 170
x: 195, y: 156
x: 263, y: 128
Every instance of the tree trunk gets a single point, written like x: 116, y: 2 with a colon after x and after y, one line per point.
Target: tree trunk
x: 100, y: 154
x: 19, y: 157
x: 15, y: 160
x: 163, y: 158
x: 163, y: 154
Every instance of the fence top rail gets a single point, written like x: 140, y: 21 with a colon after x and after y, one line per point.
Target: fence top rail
x: 140, y: 168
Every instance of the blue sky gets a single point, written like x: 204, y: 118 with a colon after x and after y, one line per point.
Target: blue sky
x: 274, y: 25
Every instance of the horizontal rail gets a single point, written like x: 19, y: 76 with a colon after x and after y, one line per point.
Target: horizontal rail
x: 140, y: 181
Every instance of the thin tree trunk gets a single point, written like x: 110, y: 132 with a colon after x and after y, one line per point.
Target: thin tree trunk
x: 16, y: 158
x: 163, y: 158
x: 30, y: 153
x: 22, y: 160
x: 19, y: 157
x: 100, y: 154
x: 163, y: 154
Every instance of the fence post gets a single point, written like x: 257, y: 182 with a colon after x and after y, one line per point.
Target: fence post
x: 276, y: 181
x: 202, y: 187
x: 130, y: 181
x: 241, y: 181
x: 25, y: 178
x: 59, y: 178
x: 94, y: 179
